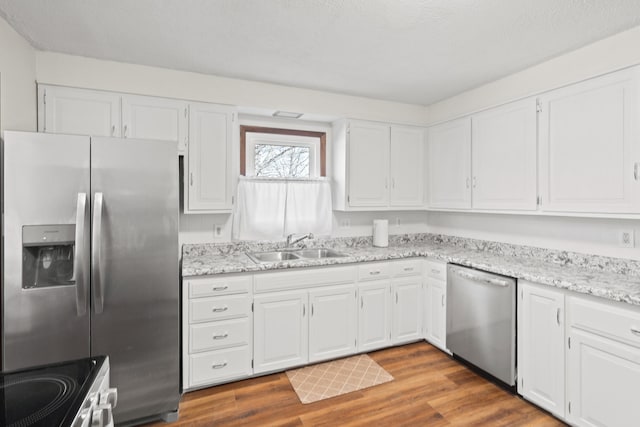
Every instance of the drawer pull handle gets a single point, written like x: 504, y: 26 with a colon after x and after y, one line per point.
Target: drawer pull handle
x: 221, y: 288
x: 220, y: 309
x: 221, y: 337
x: 373, y: 273
x: 635, y: 331
x: 434, y: 271
x: 558, y: 316
x: 408, y: 269
x: 218, y: 365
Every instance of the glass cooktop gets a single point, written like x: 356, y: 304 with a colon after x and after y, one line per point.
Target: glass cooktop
x: 48, y: 395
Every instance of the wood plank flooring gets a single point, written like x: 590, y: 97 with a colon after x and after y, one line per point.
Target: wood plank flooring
x: 430, y: 389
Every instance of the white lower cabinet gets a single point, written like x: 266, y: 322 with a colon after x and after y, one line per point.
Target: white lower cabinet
x: 435, y: 303
x: 603, y: 363
x: 541, y: 357
x: 374, y: 315
x: 281, y: 331
x: 332, y: 322
x: 216, y: 329
x: 407, y: 309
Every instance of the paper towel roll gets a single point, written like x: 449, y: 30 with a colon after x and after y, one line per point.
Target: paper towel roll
x: 381, y: 233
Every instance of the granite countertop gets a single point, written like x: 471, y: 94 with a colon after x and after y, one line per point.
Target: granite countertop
x: 610, y: 278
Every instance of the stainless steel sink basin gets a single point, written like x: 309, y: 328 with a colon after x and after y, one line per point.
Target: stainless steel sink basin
x: 290, y: 255
x: 275, y: 256
x: 319, y: 253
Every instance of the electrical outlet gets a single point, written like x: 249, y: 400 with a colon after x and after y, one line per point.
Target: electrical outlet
x: 397, y: 222
x: 217, y: 230
x: 626, y: 239
x: 345, y: 223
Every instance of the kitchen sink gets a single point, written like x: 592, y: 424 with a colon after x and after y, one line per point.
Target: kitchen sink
x: 319, y: 253
x: 290, y: 255
x: 275, y: 256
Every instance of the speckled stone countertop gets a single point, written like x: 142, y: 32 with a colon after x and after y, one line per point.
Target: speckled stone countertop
x: 610, y: 278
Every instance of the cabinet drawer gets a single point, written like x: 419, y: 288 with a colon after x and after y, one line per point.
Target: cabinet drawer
x: 410, y: 267
x: 298, y: 279
x: 218, y: 308
x: 373, y: 271
x: 217, y: 335
x: 615, y: 322
x: 437, y: 270
x: 219, y: 365
x: 224, y: 285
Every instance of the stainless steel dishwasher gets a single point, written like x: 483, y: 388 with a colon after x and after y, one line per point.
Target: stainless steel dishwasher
x: 481, y: 320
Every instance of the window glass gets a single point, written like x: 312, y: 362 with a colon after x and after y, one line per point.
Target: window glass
x: 281, y: 161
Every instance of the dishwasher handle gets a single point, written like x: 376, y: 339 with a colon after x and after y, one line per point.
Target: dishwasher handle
x: 491, y: 280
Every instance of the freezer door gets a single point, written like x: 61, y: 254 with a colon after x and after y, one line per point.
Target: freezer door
x: 135, y: 277
x: 45, y: 274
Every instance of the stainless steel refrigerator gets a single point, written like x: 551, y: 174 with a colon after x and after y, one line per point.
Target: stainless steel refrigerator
x: 90, y: 261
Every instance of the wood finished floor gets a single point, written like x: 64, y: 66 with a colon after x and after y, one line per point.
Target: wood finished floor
x: 430, y: 389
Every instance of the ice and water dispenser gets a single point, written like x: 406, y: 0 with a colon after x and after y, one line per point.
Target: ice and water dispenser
x: 47, y: 255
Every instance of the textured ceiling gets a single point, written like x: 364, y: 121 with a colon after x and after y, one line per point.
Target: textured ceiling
x: 415, y: 51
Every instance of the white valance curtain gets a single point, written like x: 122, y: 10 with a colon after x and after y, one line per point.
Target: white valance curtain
x: 270, y: 209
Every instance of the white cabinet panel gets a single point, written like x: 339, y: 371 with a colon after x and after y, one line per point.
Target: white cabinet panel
x: 541, y: 357
x: 407, y: 310
x: 504, y: 157
x: 368, y: 164
x: 602, y: 381
x: 438, y: 313
x: 210, y: 159
x: 589, y: 146
x: 281, y: 331
x: 161, y: 119
x: 449, y: 164
x: 374, y: 320
x: 407, y: 165
x: 332, y: 322
x: 79, y: 111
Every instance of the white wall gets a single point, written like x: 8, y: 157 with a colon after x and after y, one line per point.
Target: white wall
x: 69, y: 70
x: 17, y: 81
x: 589, y: 235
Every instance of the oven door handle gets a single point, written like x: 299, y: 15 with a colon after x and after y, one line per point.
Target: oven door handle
x: 482, y: 278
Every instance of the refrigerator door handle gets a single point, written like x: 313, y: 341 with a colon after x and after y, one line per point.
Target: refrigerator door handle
x: 97, y: 277
x: 79, y: 256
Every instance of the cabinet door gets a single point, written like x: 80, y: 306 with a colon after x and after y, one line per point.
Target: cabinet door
x: 438, y: 313
x: 449, y: 164
x: 541, y: 353
x: 407, y: 310
x: 504, y: 157
x: 407, y: 165
x: 426, y: 310
x: 368, y: 164
x: 332, y: 322
x: 602, y: 381
x: 374, y: 320
x: 210, y: 159
x: 79, y: 111
x: 146, y: 117
x: 280, y: 331
x: 589, y: 146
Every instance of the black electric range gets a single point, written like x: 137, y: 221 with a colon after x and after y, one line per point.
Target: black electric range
x: 53, y: 395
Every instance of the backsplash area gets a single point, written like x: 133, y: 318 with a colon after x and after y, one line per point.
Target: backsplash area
x: 592, y: 262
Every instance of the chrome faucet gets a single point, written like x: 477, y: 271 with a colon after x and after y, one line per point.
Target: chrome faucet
x: 291, y: 241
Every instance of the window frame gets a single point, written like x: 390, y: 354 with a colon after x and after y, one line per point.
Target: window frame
x: 247, y: 145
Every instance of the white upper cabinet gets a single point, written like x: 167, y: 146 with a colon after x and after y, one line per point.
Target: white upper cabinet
x: 78, y: 111
x: 406, y: 164
x: 210, y: 162
x: 503, y: 154
x: 368, y: 164
x: 589, y: 145
x: 147, y: 117
x: 377, y: 166
x: 449, y: 164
